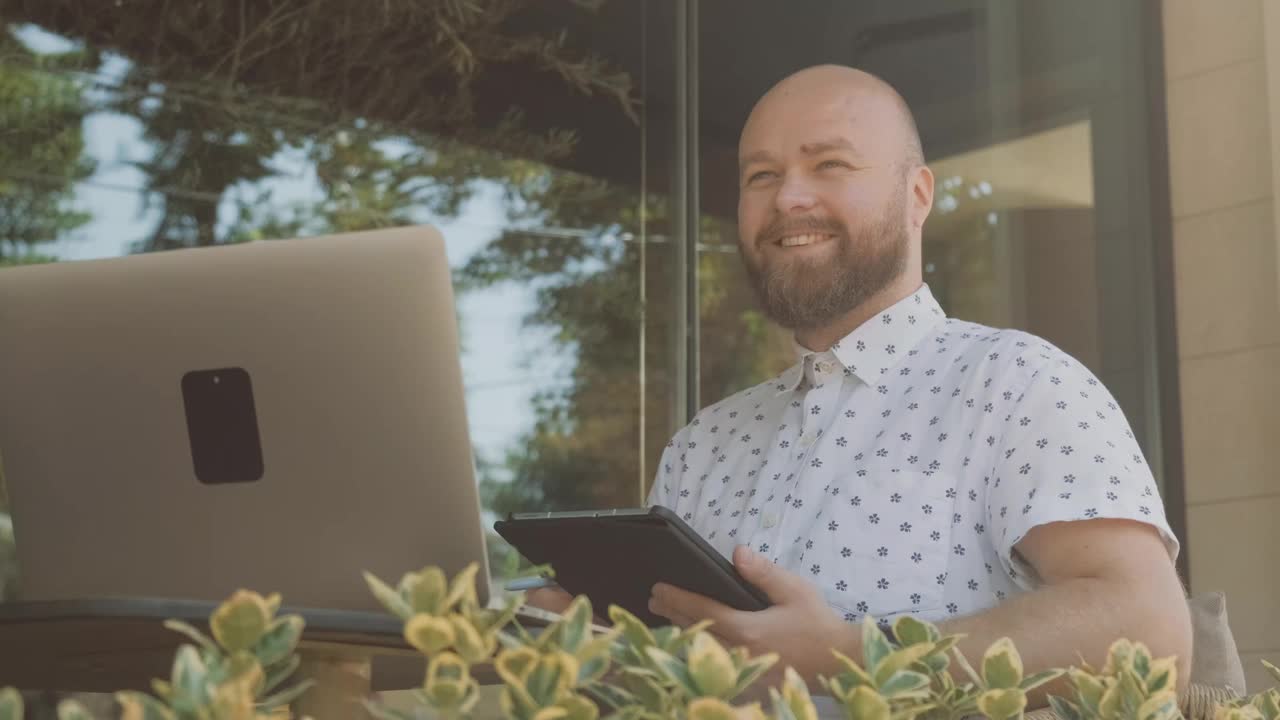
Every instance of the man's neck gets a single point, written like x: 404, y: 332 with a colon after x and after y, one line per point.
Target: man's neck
x: 821, y: 339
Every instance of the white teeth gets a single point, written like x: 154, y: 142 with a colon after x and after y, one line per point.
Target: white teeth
x: 797, y: 240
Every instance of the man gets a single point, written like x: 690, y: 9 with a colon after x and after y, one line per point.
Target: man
x: 909, y: 463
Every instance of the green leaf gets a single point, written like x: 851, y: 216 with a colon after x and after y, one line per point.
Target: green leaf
x: 851, y: 671
x: 751, y: 671
x: 286, y: 696
x: 711, y: 709
x: 425, y: 591
x: 673, y: 671
x: 278, y: 673
x: 1272, y: 669
x: 470, y: 644
x: 575, y: 628
x: 204, y: 641
x: 240, y: 621
x: 635, y: 632
x: 1064, y: 709
x: 1002, y: 704
x: 190, y: 675
x: 866, y: 704
x: 389, y: 598
x: 1268, y: 703
x: 1141, y: 660
x: 1002, y: 666
x: 72, y: 710
x: 1031, y: 683
x: 280, y: 640
x: 875, y: 646
x: 904, y: 682
x: 140, y: 706
x: 912, y: 631
x: 712, y: 667
x: 11, y: 707
x: 1159, y: 707
x: 463, y: 590
x: 899, y: 660
x: 429, y: 634
x: 1162, y: 675
x: 1090, y: 689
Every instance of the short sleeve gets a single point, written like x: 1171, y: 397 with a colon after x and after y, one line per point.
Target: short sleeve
x: 1067, y: 453
x: 666, y: 481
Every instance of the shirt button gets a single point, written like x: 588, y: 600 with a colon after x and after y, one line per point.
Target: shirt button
x: 770, y: 520
x: 824, y: 367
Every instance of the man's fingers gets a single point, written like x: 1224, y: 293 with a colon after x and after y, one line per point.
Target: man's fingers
x: 690, y: 606
x: 551, y: 599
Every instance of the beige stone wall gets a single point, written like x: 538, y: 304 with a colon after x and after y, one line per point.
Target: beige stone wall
x: 1222, y: 61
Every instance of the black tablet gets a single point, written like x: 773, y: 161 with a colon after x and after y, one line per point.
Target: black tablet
x: 615, y: 557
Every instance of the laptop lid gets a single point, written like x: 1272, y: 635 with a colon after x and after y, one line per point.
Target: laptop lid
x: 277, y: 415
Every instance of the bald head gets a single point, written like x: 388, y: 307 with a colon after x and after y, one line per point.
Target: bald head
x: 866, y: 100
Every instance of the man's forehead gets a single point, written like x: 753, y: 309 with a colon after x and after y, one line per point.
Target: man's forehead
x: 806, y: 145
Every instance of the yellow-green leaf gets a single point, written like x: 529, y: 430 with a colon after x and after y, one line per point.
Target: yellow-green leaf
x: 795, y: 696
x: 189, y: 673
x: 240, y: 621
x: 390, y: 599
x: 11, y: 707
x: 1090, y: 687
x: 710, y: 709
x: 636, y: 632
x: 577, y: 707
x: 866, y: 704
x: 448, y: 683
x: 711, y: 667
x: 1002, y: 704
x: 912, y: 631
x: 899, y: 660
x: 72, y: 710
x: 1162, y: 706
x: 470, y: 644
x: 462, y: 593
x: 514, y: 665
x: 140, y: 706
x: 1002, y: 666
x: 1162, y: 675
x: 551, y: 713
x: 875, y: 646
x: 280, y: 640
x: 1119, y: 657
x: 425, y: 591
x: 429, y: 634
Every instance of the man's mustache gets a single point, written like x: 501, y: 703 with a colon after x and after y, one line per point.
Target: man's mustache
x: 781, y: 227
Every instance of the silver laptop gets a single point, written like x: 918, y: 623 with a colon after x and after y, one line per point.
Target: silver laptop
x: 278, y: 416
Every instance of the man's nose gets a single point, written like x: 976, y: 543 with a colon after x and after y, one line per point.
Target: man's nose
x: 795, y: 195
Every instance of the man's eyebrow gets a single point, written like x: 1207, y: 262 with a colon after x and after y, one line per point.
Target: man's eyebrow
x: 821, y: 146
x: 754, y: 157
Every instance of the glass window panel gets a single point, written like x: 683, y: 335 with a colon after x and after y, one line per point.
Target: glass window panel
x: 535, y: 136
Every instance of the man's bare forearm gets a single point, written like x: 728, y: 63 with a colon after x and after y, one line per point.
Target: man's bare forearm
x: 1059, y: 625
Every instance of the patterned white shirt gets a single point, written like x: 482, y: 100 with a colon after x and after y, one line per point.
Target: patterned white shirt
x: 899, y: 469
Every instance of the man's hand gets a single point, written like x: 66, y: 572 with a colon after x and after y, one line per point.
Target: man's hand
x: 800, y: 627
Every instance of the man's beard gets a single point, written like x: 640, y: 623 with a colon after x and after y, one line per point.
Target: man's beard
x: 802, y: 295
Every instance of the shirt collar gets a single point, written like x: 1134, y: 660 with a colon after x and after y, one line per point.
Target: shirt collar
x: 877, y: 345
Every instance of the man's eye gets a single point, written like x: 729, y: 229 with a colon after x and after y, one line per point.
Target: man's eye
x: 763, y: 174
x: 826, y: 164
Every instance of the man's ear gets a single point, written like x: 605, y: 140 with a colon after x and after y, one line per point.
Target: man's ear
x: 921, y: 186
